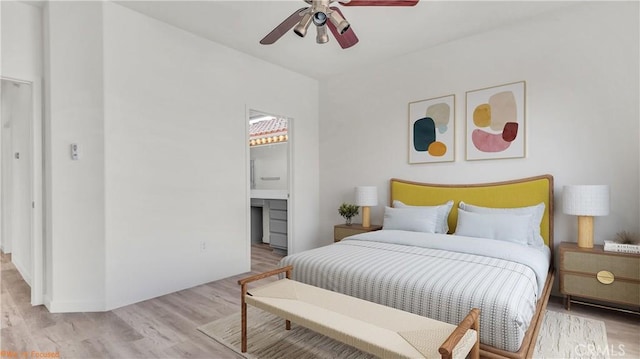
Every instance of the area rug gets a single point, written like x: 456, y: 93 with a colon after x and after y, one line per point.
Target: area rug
x: 570, y: 336
x: 561, y: 336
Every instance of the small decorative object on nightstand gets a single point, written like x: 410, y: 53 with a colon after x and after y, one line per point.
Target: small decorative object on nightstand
x: 348, y: 211
x: 592, y: 273
x: 625, y: 242
x: 342, y: 230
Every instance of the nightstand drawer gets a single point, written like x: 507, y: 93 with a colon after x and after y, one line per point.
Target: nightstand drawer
x: 340, y: 233
x: 588, y: 286
x: 621, y: 266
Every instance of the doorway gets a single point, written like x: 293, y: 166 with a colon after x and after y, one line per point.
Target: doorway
x: 20, y: 166
x: 16, y: 176
x: 270, y: 180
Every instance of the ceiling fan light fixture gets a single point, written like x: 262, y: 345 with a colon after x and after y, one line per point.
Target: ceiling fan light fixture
x: 322, y: 37
x: 323, y: 15
x: 303, y: 25
x: 339, y: 22
x: 320, y: 18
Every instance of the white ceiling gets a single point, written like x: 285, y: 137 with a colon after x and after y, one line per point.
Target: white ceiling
x: 384, y: 32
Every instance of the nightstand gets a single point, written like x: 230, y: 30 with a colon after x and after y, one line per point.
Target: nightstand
x: 342, y: 230
x: 592, y: 273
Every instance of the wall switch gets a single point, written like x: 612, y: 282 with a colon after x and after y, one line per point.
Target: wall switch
x: 75, y: 152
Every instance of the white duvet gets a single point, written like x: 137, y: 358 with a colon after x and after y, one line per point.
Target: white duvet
x: 537, y: 258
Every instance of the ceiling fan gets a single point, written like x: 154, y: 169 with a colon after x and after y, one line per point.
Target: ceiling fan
x: 323, y: 15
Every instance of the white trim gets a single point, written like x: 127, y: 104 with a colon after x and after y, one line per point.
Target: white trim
x: 290, y: 207
x: 36, y: 278
x: 247, y: 161
x: 75, y: 307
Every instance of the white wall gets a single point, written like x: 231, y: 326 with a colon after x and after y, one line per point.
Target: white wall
x: 77, y: 188
x: 271, y: 161
x: 21, y: 40
x: 580, y: 65
x: 176, y: 155
x: 160, y: 117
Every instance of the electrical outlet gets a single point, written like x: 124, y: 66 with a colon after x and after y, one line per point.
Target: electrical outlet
x: 203, y: 246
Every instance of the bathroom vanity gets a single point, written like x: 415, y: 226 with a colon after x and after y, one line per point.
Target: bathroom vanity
x: 272, y: 206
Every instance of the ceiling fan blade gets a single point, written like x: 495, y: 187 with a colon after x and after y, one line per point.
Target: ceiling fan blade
x: 284, y: 26
x: 381, y: 3
x: 348, y: 38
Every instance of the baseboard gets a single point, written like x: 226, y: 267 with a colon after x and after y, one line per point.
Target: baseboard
x: 47, y: 302
x: 73, y: 307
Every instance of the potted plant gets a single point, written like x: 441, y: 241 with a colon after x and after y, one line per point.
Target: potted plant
x: 625, y: 237
x: 347, y: 211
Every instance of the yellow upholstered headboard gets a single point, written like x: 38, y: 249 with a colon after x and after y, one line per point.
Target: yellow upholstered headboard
x: 509, y: 194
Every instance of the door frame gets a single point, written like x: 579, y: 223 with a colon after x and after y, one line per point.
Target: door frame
x: 36, y: 169
x: 290, y: 177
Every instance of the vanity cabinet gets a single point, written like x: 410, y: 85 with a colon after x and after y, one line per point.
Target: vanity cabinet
x: 278, y: 225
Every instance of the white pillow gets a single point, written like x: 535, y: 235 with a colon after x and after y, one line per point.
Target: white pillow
x: 410, y: 219
x: 442, y: 224
x: 500, y: 226
x: 536, y: 212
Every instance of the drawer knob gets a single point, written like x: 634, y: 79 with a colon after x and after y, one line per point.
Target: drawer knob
x: 605, y: 277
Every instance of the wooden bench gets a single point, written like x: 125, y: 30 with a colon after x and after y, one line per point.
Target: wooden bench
x: 380, y: 330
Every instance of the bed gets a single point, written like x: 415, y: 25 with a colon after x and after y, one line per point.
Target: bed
x: 443, y: 275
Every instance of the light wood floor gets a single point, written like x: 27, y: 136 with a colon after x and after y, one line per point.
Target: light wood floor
x: 165, y: 327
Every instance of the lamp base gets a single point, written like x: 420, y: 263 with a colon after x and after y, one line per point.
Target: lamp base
x: 366, y: 217
x: 585, y: 231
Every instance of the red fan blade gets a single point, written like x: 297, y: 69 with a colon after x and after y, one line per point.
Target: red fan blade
x: 285, y: 26
x: 381, y: 3
x: 345, y: 40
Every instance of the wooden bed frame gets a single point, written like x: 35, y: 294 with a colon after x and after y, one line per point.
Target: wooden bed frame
x: 508, y: 194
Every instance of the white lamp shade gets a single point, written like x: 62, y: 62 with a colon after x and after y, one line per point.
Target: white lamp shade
x: 586, y: 200
x: 366, y: 196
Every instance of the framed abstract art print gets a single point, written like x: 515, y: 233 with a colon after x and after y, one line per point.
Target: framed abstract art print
x: 495, y: 119
x: 432, y: 130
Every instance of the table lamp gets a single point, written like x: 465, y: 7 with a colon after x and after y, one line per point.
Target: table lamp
x: 366, y: 196
x: 585, y: 201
